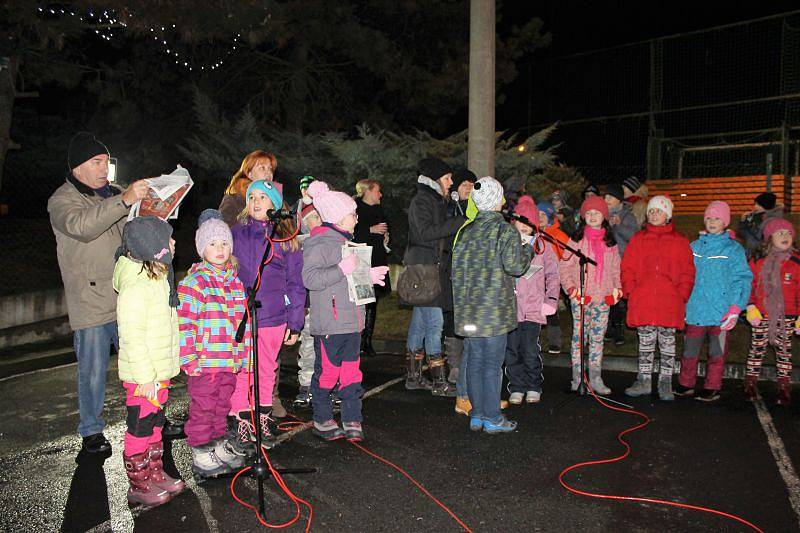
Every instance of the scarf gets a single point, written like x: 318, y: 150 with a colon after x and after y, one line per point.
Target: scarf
x: 425, y: 180
x: 771, y: 284
x: 346, y: 234
x: 597, y: 247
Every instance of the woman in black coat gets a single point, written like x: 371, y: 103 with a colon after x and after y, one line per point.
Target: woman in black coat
x: 373, y: 230
x: 429, y: 233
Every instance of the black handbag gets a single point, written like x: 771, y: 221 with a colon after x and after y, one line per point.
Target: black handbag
x: 419, y: 284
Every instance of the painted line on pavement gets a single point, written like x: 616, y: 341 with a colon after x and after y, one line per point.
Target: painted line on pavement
x: 202, y: 496
x: 782, y: 458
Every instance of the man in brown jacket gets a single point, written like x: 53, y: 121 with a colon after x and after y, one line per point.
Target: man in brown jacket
x: 87, y: 214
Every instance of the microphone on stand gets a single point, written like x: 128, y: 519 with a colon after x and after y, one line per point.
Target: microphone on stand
x: 454, y: 196
x: 275, y: 214
x: 510, y: 215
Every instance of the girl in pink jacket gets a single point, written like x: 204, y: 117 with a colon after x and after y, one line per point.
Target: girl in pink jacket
x: 603, y: 287
x: 537, y: 298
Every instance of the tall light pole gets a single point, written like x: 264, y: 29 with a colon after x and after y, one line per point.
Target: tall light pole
x: 481, y: 87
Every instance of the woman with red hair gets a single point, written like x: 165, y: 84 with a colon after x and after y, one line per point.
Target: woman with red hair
x: 257, y: 165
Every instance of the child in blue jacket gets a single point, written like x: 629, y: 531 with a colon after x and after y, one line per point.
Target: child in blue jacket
x: 721, y: 291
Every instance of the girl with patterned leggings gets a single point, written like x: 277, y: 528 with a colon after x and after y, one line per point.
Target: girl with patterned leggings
x: 657, y: 278
x: 603, y: 288
x: 774, y: 306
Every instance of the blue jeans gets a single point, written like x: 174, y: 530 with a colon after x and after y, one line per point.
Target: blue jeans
x: 93, y: 349
x: 485, y: 376
x: 461, y: 382
x: 426, y: 327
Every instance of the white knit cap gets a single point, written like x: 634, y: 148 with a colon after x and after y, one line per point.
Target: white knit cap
x: 661, y: 202
x: 487, y: 193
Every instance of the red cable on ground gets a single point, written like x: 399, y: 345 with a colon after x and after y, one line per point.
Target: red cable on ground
x: 416, y: 484
x: 626, y: 454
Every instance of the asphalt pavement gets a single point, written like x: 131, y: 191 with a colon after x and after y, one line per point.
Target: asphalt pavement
x: 733, y: 456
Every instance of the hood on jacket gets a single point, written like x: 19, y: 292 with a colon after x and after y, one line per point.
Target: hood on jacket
x: 127, y: 272
x: 225, y: 274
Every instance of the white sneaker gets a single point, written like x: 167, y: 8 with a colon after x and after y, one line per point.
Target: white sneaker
x: 533, y: 396
x: 515, y: 398
x: 205, y: 462
x: 225, y: 452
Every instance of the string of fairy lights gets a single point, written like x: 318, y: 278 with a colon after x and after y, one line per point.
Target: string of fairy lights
x: 107, y: 22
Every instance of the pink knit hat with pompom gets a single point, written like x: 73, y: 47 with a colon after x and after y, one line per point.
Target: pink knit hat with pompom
x: 332, y: 206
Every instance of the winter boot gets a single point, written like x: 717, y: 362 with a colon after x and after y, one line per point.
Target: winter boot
x: 268, y: 428
x: 463, y: 405
x: 441, y: 387
x: 142, y: 489
x: 155, y: 451
x: 278, y: 410
x: 414, y: 378
x: 303, y: 399
x: 751, y: 387
x: 576, y: 378
x: 596, y: 381
x: 240, y: 441
x: 641, y: 387
x: 353, y: 431
x: 370, y: 312
x: 453, y: 348
x: 226, y: 451
x: 784, y: 391
x: 328, y: 431
x: 665, y: 393
x: 205, y: 462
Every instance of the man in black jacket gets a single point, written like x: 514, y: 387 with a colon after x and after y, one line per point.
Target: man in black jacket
x: 428, y: 231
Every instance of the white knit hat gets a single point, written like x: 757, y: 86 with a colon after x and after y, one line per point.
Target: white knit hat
x: 663, y: 203
x: 487, y: 193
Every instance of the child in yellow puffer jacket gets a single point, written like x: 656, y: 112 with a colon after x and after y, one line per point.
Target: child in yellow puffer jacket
x: 149, y: 350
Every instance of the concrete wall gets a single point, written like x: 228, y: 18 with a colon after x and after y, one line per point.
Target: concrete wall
x: 33, y: 317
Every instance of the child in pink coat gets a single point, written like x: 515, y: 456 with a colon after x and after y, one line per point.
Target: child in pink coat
x: 603, y: 287
x: 537, y: 298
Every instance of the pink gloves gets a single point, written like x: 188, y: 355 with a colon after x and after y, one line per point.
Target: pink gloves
x: 348, y: 264
x: 548, y: 309
x: 730, y: 318
x: 377, y: 274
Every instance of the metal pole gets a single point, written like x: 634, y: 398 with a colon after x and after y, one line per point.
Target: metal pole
x: 769, y: 172
x: 481, y: 87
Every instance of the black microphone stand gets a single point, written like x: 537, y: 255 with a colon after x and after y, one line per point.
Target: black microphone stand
x: 259, y: 469
x: 583, y: 260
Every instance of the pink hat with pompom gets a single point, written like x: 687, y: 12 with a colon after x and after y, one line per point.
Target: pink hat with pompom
x: 332, y: 206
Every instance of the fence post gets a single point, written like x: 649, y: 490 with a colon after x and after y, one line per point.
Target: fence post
x: 769, y: 172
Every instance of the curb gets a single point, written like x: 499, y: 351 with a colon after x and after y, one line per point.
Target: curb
x: 32, y: 360
x: 618, y: 363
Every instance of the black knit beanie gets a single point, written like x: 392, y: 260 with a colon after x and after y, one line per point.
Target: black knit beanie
x: 433, y: 168
x: 767, y: 200
x: 615, y: 190
x: 82, y: 147
x: 461, y: 175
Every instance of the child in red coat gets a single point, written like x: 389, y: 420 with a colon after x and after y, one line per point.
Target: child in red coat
x: 657, y: 279
x: 774, y: 307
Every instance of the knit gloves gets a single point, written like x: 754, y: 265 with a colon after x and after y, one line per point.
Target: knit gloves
x: 613, y: 298
x: 753, y: 315
x: 729, y: 319
x: 377, y: 274
x: 348, y: 264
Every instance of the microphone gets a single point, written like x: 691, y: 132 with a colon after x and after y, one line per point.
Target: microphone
x: 275, y: 214
x: 454, y: 196
x: 514, y: 216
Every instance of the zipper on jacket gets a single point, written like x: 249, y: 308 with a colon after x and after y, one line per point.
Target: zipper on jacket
x: 335, y: 311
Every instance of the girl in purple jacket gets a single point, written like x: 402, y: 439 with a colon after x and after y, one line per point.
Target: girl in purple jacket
x: 537, y: 298
x: 281, y: 295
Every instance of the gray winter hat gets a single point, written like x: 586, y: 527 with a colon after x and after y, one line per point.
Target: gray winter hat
x: 147, y: 239
x: 487, y: 193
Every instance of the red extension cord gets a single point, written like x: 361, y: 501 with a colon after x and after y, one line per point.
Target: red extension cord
x: 625, y: 454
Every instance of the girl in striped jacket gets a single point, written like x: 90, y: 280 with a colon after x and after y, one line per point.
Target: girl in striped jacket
x: 212, y: 304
